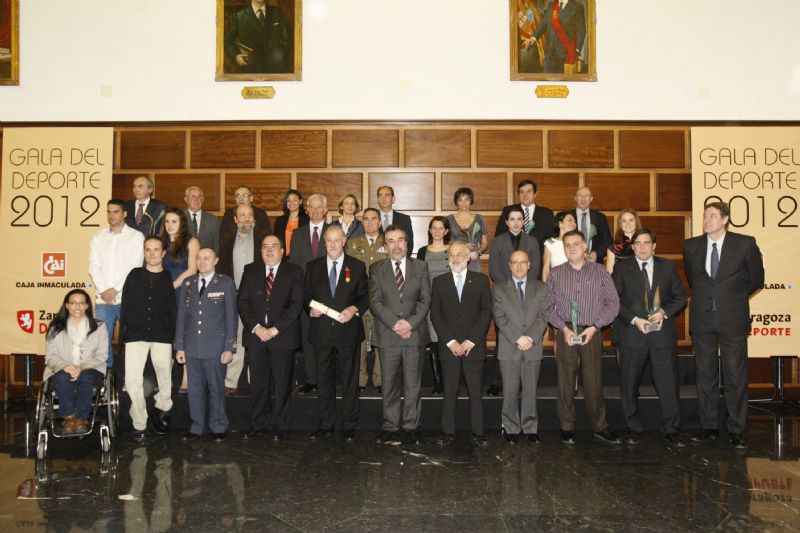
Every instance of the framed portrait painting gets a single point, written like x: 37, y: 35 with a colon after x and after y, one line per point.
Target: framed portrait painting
x: 553, y: 40
x: 259, y: 40
x: 9, y: 42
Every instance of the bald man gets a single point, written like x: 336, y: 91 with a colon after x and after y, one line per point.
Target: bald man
x: 593, y: 224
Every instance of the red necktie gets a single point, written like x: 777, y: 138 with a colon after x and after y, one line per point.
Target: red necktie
x: 139, y: 214
x: 270, y: 280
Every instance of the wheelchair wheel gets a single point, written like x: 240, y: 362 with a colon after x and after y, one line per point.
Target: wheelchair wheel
x: 105, y: 442
x: 112, y: 404
x: 40, y: 416
x: 41, y: 446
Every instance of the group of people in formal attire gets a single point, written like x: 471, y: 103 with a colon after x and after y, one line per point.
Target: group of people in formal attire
x: 185, y: 286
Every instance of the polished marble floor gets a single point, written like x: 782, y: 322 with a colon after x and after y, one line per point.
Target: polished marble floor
x: 298, y: 485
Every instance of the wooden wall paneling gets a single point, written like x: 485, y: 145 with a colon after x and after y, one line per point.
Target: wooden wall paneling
x: 334, y: 185
x: 490, y: 195
x: 294, y: 148
x: 171, y: 188
x: 419, y: 224
x: 122, y: 185
x: 674, y: 192
x: 437, y: 148
x: 414, y: 191
x: 491, y: 223
x: 366, y: 148
x: 652, y: 149
x: 580, y: 148
x: 153, y: 149
x: 510, y: 148
x: 222, y: 149
x: 268, y: 188
x: 616, y: 191
x: 669, y: 232
x: 555, y: 190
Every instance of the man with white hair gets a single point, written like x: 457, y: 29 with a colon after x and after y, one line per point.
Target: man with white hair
x: 202, y: 224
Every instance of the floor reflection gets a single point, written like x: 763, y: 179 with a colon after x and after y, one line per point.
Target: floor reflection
x: 297, y: 485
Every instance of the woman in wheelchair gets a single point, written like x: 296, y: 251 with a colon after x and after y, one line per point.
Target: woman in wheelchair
x: 77, y: 352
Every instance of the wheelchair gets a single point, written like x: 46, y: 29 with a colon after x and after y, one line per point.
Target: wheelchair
x: 104, y: 414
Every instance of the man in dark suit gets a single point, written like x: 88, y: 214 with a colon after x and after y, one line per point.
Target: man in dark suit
x: 724, y: 269
x: 391, y: 217
x: 144, y: 213
x: 510, y: 241
x: 336, y: 294
x: 205, y: 337
x: 400, y: 296
x: 202, y: 224
x: 244, y: 196
x: 259, y: 39
x: 270, y: 302
x: 461, y: 309
x: 307, y: 245
x: 650, y: 295
x: 593, y: 224
x: 520, y: 312
x: 537, y: 219
x: 565, y: 24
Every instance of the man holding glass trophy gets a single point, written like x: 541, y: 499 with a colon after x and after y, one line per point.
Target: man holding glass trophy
x: 651, y: 294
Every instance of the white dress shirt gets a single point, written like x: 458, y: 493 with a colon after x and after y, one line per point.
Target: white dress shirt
x: 709, y: 243
x: 112, y: 256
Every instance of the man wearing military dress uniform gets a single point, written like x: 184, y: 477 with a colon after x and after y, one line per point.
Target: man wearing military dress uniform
x: 205, y: 339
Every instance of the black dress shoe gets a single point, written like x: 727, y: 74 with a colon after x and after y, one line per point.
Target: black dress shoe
x: 445, y: 439
x: 737, y: 441
x: 511, y: 438
x: 307, y: 388
x: 321, y: 434
x: 567, y: 437
x: 533, y: 438
x: 609, y: 436
x: 706, y: 435
x: 632, y: 437
x: 253, y: 433
x: 159, y: 422
x: 279, y: 434
x: 674, y: 439
x: 379, y: 390
x: 414, y: 437
x: 391, y: 438
x: 139, y: 436
x: 494, y: 390
x: 189, y: 436
x: 478, y: 440
x: 219, y: 437
x: 349, y: 435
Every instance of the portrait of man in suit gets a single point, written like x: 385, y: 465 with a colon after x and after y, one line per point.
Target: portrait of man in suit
x: 651, y: 294
x: 400, y: 297
x: 202, y: 224
x: 258, y: 40
x: 520, y: 313
x: 724, y: 270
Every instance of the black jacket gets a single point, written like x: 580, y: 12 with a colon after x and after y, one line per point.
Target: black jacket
x: 148, y: 312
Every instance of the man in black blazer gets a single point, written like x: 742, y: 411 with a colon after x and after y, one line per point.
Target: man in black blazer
x: 144, y: 213
x: 724, y: 269
x: 202, y: 224
x: 270, y: 302
x: 244, y: 196
x: 650, y: 293
x: 391, y: 217
x: 593, y: 224
x: 461, y: 309
x: 537, y: 219
x: 258, y: 39
x: 339, y: 283
x: 308, y: 244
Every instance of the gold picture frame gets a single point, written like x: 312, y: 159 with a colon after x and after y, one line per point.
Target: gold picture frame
x: 9, y: 42
x: 538, y: 31
x: 263, y: 47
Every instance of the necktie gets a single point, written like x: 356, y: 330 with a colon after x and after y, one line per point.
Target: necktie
x: 459, y: 285
x: 385, y: 221
x: 139, y: 213
x: 521, y: 292
x: 332, y: 279
x: 270, y: 280
x: 714, y: 260
x: 527, y: 225
x: 398, y: 278
x: 202, y: 286
x: 315, y: 242
x: 371, y: 242
x: 645, y: 277
x: 585, y: 228
x: 260, y: 17
x: 194, y: 222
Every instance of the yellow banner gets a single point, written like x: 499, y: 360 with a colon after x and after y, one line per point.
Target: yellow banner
x: 757, y: 171
x: 55, y: 185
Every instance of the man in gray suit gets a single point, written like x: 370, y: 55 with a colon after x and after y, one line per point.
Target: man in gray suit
x: 399, y: 297
x: 202, y: 224
x: 205, y: 338
x: 520, y: 312
x: 506, y: 243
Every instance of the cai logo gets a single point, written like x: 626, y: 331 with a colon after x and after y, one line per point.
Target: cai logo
x: 25, y: 320
x: 54, y: 264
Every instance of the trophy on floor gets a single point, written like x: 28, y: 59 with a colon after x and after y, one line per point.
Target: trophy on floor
x: 652, y: 326
x: 574, y: 312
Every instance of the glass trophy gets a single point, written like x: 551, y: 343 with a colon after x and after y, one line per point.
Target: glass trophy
x: 574, y: 313
x: 651, y: 310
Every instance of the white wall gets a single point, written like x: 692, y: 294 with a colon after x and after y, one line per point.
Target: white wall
x: 406, y: 59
